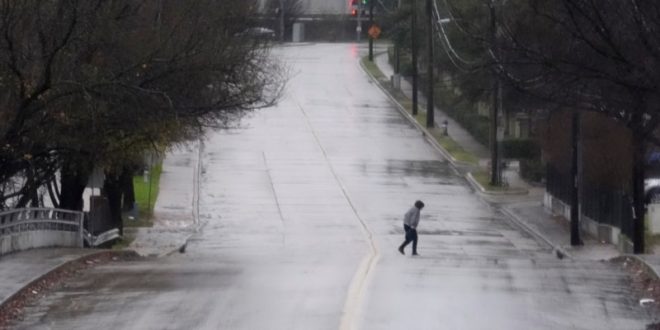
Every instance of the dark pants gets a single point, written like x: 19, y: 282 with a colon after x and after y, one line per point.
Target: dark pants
x: 411, y: 236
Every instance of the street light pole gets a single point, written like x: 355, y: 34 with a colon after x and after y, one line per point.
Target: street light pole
x: 413, y: 37
x: 371, y: 23
x: 430, y: 112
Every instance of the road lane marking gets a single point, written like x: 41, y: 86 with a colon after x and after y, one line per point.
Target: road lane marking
x: 359, y: 283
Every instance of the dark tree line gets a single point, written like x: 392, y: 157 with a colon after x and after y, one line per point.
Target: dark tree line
x: 601, y: 57
x: 565, y: 55
x: 575, y: 56
x: 94, y: 84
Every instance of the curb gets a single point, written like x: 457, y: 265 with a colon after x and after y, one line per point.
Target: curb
x: 197, y: 226
x: 643, y: 262
x: 481, y: 189
x: 92, y: 255
x: 427, y: 136
x: 455, y: 164
x: 560, y: 252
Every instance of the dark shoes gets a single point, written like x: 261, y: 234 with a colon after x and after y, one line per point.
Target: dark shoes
x: 401, y: 251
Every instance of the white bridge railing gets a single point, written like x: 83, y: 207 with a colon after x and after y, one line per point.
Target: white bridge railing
x: 27, y: 228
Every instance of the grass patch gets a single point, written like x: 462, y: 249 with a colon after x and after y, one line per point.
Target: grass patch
x: 146, y: 194
x: 447, y: 143
x: 123, y: 243
x: 373, y: 69
x: 453, y: 148
x: 652, y: 241
x: 143, y: 220
x: 483, y: 178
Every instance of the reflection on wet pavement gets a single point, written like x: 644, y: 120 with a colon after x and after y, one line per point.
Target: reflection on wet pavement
x: 304, y: 205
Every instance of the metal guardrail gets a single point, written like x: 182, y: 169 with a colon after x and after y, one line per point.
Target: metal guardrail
x: 27, y: 228
x: 104, y: 237
x: 17, y: 221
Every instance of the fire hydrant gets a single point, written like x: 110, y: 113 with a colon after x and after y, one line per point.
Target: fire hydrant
x: 445, y: 128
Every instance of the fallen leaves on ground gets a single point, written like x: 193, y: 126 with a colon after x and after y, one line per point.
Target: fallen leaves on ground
x: 12, y: 309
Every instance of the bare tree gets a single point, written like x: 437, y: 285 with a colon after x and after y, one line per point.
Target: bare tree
x: 95, y: 83
x: 581, y: 55
x: 600, y: 57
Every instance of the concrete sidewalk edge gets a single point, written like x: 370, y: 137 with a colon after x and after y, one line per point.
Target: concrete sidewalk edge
x: 91, y: 255
x: 556, y: 248
x: 197, y: 225
x: 511, y: 191
x: 427, y: 136
x: 455, y: 164
x: 650, y: 269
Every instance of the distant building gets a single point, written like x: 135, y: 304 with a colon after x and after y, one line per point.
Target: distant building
x: 320, y: 7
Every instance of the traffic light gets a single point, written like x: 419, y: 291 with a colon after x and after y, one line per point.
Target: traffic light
x: 357, y: 5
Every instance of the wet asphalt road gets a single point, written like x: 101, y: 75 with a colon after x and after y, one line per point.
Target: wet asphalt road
x: 303, y: 206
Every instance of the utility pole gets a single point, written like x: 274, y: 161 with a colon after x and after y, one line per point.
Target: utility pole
x: 397, y: 50
x: 575, y: 191
x: 371, y: 23
x: 430, y: 108
x: 413, y: 37
x: 495, y: 175
x: 358, y: 29
x: 281, y: 20
x: 638, y: 207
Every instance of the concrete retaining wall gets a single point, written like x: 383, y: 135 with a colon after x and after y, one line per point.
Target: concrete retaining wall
x: 602, y: 232
x: 37, y: 239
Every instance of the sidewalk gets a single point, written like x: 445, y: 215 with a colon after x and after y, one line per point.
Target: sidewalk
x: 456, y: 131
x: 526, y: 211
x: 176, y: 211
x: 175, y: 220
x: 19, y: 269
x: 555, y: 231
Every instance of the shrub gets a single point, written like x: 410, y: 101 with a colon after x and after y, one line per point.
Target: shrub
x: 521, y: 149
x: 532, y: 169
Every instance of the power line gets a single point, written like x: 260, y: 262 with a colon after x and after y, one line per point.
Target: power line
x: 453, y: 55
x: 388, y: 11
x: 446, y: 44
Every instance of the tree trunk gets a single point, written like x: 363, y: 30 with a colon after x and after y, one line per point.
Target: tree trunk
x: 638, y: 193
x: 30, y: 194
x: 575, y: 176
x: 73, y: 182
x: 126, y: 180
x: 113, y: 192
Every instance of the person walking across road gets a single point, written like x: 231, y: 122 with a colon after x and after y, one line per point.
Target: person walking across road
x: 410, y: 222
